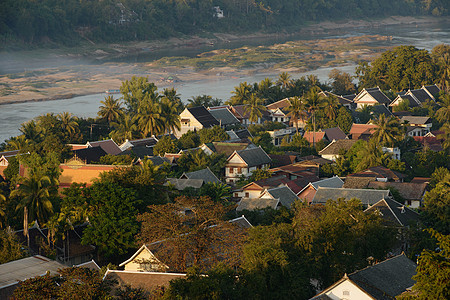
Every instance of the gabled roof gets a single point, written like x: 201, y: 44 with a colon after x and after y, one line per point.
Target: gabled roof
x: 421, y: 95
x: 415, y: 120
x: 375, y: 93
x: 241, y: 222
x: 357, y: 182
x: 147, y: 142
x: 141, y: 151
x: 240, y: 111
x: 224, y: 116
x: 333, y: 182
x: 147, y: 281
x: 181, y: 184
x: 279, y: 160
x: 203, y: 116
x: 411, y: 100
x: 358, y: 129
x: 335, y: 146
x: 15, y: 271
x: 89, y: 265
x: 91, y: 154
x: 256, y: 203
x: 379, y: 172
x: 299, y: 184
x: 229, y: 148
x: 270, y: 182
x: 318, y: 135
x: 279, y: 104
x: 158, y: 160
x: 206, y: 175
x: 109, y: 146
x: 283, y: 193
x: 367, y: 197
x: 394, y: 212
x: 387, y: 279
x: 11, y: 153
x: 380, y: 110
x: 408, y: 190
x: 334, y: 133
x: 253, y: 157
x: 433, y: 90
x: 143, y: 248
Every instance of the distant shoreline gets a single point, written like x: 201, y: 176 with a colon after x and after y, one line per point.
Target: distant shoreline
x: 80, y: 80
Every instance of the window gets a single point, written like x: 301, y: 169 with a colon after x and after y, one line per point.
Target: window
x: 236, y: 195
x: 231, y: 170
x: 247, y: 194
x: 346, y: 293
x: 239, y: 170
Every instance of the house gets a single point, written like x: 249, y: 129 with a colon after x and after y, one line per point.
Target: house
x: 147, y: 142
x: 394, y: 213
x: 244, y: 162
x: 417, y: 126
x: 361, y: 131
x: 370, y: 97
x: 279, y: 160
x: 430, y: 142
x: 4, y: 160
x: 224, y: 116
x: 421, y: 96
x: 143, y: 260
x: 380, y: 173
x: 404, y: 98
x: 412, y: 192
x: 293, y: 171
x: 109, y: 146
x: 225, y: 148
x: 377, y: 110
x: 308, y: 192
x: 149, y: 282
x: 313, y: 163
x: 314, y: 137
x: 367, y: 197
x: 195, y: 118
x: 90, y: 154
x: 181, y: 184
x: 280, y: 134
x: 242, y: 114
x: 278, y: 112
x: 432, y: 90
x: 12, y: 273
x: 239, y: 136
x: 206, y: 175
x: 383, y: 281
x: 333, y: 150
x: 273, y: 198
x: 242, y: 222
x: 254, y: 189
x: 344, y: 100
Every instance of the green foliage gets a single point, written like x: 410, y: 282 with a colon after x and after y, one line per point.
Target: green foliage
x: 10, y: 248
x: 341, y: 82
x: 165, y: 145
x: 423, y: 163
x: 436, y: 210
x: 113, y: 223
x: 13, y: 168
x: 213, y: 134
x: 189, y: 140
x: 344, y: 120
x: 110, y: 159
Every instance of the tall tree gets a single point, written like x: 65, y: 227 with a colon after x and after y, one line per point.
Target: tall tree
x: 331, y: 106
x: 241, y: 94
x: 138, y: 90
x: 69, y: 124
x: 297, y: 110
x: 254, y: 107
x: 443, y: 113
x: 150, y: 120
x: 341, y: 82
x: 387, y: 131
x: 124, y: 128
x: 314, y: 102
x: 170, y: 115
x: 370, y: 155
x: 284, y: 80
x: 111, y: 110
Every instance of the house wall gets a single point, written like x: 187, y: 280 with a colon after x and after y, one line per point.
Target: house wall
x: 81, y: 174
x: 307, y: 194
x: 191, y: 125
x: 145, y: 261
x: 366, y: 99
x: 347, y: 290
x: 332, y: 157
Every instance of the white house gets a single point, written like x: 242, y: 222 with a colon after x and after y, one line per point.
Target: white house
x: 244, y: 162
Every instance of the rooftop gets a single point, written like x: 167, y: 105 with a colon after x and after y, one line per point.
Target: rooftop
x: 336, y: 146
x: 367, y: 197
x: 203, y: 116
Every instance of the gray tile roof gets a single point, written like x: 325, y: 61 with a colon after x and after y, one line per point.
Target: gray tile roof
x: 109, y: 146
x: 334, y: 133
x: 415, y: 119
x: 378, y: 95
x: 432, y: 89
x: 158, y: 160
x: 151, y: 141
x: 335, y: 146
x: 256, y: 203
x: 421, y: 95
x: 241, y: 222
x: 333, y: 182
x: 387, y: 279
x: 394, y: 212
x: 206, y: 175
x: 254, y: 157
x: 203, y: 116
x: 284, y: 194
x: 181, y: 184
x: 408, y: 190
x: 224, y: 116
x: 367, y: 197
x: 412, y: 102
x: 381, y: 109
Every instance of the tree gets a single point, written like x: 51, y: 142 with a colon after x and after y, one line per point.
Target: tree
x: 111, y: 110
x: 165, y: 145
x: 113, y: 221
x: 204, y: 100
x: 254, y: 108
x: 443, y: 113
x: 330, y: 107
x: 370, y: 155
x: 314, y: 102
x: 441, y: 57
x: 297, y: 111
x: 445, y: 136
x: 213, y: 134
x: 284, y: 80
x: 189, y: 140
x: 171, y: 95
x: 341, y: 82
x: 150, y: 120
x: 387, y: 131
x: 241, y: 94
x: 193, y: 232
x: 436, y: 210
x: 170, y: 115
x: 69, y: 124
x: 138, y: 90
x: 125, y: 128
x: 344, y: 119
x: 10, y: 248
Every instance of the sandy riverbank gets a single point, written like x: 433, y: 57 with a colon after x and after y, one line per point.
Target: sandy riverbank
x: 85, y: 79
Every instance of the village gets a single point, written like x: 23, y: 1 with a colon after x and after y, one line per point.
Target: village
x: 230, y: 198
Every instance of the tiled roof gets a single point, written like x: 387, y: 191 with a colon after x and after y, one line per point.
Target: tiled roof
x: 254, y: 157
x: 206, y: 175
x: 377, y: 94
x: 415, y: 119
x: 357, y: 182
x: 318, y: 135
x: 362, y: 128
x: 284, y: 194
x: 279, y: 104
x: 109, y: 146
x: 224, y: 116
x: 420, y: 95
x: 387, y: 279
x: 379, y: 172
x: 380, y: 110
x: 181, y: 184
x: 334, y: 133
x: 256, y: 203
x: 394, y: 212
x: 432, y: 89
x: 151, y: 141
x: 91, y: 154
x: 412, y: 102
x: 421, y: 180
x: 141, y: 151
x: 158, y: 160
x: 408, y: 190
x: 279, y: 160
x: 334, y: 147
x: 229, y: 148
x: 367, y: 197
x: 11, y: 153
x: 148, y: 281
x: 203, y: 116
x: 241, y: 222
x: 333, y: 182
x: 299, y: 184
x: 271, y: 182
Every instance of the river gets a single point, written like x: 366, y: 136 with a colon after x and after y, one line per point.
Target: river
x: 12, y: 115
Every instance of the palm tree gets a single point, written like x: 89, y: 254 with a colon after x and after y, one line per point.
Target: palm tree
x: 443, y: 113
x: 170, y: 115
x: 314, y: 102
x: 33, y: 194
x: 254, y: 108
x: 284, y: 80
x: 265, y: 90
x: 17, y: 143
x: 445, y: 136
x: 2, y: 209
x: 111, y: 109
x: 172, y: 96
x: 149, y: 118
x: 203, y: 100
x: 387, y: 131
x: 444, y: 76
x: 241, y: 94
x: 297, y: 110
x: 124, y: 129
x: 68, y: 122
x: 370, y: 155
x: 330, y: 106
x: 31, y: 131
